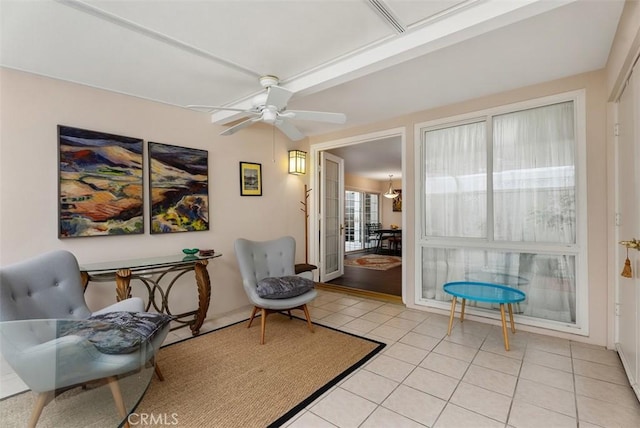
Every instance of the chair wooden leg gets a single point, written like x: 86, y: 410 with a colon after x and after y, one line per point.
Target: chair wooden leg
x: 308, y: 316
x: 156, y: 369
x: 117, y: 398
x: 43, y: 399
x: 263, y: 325
x: 253, y: 314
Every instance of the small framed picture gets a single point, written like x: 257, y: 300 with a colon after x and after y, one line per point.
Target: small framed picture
x: 250, y: 179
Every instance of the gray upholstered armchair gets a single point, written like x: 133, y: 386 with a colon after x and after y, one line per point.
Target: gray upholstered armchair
x: 270, y: 265
x: 49, y: 287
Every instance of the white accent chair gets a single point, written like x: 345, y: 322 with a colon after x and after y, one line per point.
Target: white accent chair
x: 276, y: 258
x: 49, y: 287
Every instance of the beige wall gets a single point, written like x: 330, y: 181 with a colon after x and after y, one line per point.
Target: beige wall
x: 33, y: 106
x: 361, y: 184
x: 594, y: 85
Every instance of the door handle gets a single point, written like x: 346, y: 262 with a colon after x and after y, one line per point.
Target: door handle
x: 341, y: 229
x: 634, y: 243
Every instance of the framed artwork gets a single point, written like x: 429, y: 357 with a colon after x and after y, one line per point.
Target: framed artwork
x: 397, y: 201
x: 178, y: 188
x: 250, y: 179
x: 100, y: 190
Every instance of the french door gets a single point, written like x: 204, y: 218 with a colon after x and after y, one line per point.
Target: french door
x: 331, y: 217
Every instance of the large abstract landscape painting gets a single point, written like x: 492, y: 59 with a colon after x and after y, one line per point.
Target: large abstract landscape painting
x: 100, y: 184
x: 179, y: 186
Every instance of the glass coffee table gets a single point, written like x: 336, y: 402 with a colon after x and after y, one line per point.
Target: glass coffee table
x: 73, y: 383
x: 484, y: 292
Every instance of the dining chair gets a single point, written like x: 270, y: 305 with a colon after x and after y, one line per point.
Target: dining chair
x: 374, y: 237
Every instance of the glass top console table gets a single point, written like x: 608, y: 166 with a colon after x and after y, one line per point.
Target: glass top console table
x: 159, y: 275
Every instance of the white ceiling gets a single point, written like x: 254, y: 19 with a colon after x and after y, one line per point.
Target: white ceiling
x: 338, y: 55
x: 374, y: 159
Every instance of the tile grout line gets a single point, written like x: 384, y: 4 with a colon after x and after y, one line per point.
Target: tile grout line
x: 573, y: 377
x: 515, y: 388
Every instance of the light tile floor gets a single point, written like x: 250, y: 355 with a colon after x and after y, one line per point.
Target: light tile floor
x: 424, y: 378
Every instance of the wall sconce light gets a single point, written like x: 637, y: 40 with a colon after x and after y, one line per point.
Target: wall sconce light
x: 297, y: 162
x: 391, y: 194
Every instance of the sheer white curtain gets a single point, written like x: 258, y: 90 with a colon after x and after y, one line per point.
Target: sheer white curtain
x: 534, y: 175
x: 533, y: 186
x: 534, y: 201
x: 456, y: 182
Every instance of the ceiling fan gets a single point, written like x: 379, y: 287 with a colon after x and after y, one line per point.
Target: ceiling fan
x: 271, y: 107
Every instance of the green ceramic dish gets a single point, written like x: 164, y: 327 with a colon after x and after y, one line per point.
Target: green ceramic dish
x: 190, y: 251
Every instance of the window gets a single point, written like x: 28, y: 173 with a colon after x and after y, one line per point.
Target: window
x: 499, y: 203
x: 361, y: 208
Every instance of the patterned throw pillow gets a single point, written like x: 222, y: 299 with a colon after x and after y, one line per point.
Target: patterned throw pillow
x: 116, y: 332
x: 283, y: 287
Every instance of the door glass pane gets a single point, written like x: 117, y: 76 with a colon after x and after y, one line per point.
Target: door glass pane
x: 371, y: 208
x: 361, y: 208
x: 455, y: 162
x: 371, y: 216
x: 352, y: 212
x: 332, y: 219
x: 534, y: 175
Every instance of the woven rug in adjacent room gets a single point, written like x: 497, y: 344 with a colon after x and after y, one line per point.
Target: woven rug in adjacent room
x: 227, y: 379
x: 374, y: 261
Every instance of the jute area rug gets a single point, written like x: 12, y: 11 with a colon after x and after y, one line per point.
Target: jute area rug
x: 225, y: 378
x: 375, y: 261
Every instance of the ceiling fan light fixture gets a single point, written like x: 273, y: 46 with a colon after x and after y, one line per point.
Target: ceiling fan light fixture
x: 269, y: 115
x: 391, y: 193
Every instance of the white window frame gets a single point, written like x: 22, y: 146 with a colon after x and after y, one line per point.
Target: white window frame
x: 579, y: 249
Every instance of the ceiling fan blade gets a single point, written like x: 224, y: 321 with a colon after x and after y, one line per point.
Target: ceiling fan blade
x: 289, y: 130
x: 278, y: 96
x: 239, y: 126
x: 318, y: 116
x: 208, y: 109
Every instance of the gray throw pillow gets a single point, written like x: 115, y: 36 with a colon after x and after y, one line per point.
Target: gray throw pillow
x: 283, y: 287
x: 116, y: 332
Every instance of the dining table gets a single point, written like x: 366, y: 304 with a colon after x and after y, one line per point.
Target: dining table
x: 394, y: 238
